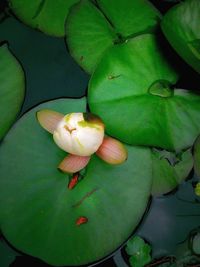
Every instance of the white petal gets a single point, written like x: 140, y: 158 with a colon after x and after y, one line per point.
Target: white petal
x: 78, y: 136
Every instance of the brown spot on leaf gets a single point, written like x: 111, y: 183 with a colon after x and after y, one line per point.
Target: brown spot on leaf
x: 81, y: 220
x: 111, y: 77
x: 77, y: 204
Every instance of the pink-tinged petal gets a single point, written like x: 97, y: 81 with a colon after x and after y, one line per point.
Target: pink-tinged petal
x: 112, y: 151
x: 73, y: 163
x: 49, y: 119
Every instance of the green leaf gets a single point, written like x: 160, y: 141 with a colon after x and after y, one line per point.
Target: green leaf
x: 197, y: 156
x: 197, y: 189
x: 195, y: 47
x: 134, y: 245
x: 140, y: 260
x: 88, y: 34
x: 12, y: 87
x: 7, y: 254
x: 169, y: 170
x: 134, y: 98
x: 196, y: 244
x: 139, y: 251
x: 47, y: 16
x: 93, y: 28
x: 38, y: 212
x: 130, y: 17
x: 184, y: 35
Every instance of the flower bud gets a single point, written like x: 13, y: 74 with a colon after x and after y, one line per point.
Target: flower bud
x: 79, y: 133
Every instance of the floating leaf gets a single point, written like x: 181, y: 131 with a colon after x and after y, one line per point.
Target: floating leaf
x: 139, y: 251
x: 93, y: 28
x: 169, y: 170
x: 196, y: 244
x: 197, y: 156
x: 182, y: 29
x: 197, y: 189
x: 12, y: 86
x: 38, y: 212
x: 131, y: 91
x: 47, y: 16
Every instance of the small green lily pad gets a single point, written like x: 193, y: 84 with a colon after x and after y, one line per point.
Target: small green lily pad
x: 139, y: 251
x: 12, y: 87
x: 92, y: 28
x: 197, y: 156
x: 38, y: 212
x: 197, y: 189
x: 131, y: 91
x: 182, y: 29
x: 196, y: 244
x: 47, y: 16
x: 169, y: 170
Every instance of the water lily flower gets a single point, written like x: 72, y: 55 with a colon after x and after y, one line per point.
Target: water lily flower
x: 81, y: 135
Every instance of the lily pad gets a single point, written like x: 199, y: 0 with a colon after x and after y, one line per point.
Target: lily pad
x: 93, y: 28
x: 139, y: 251
x: 182, y: 29
x: 197, y: 156
x: 47, y: 16
x: 196, y: 244
x: 12, y: 87
x: 131, y: 91
x: 169, y: 170
x: 38, y: 213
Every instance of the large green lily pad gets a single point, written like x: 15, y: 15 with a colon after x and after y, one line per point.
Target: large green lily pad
x: 93, y: 28
x: 131, y: 91
x: 38, y: 212
x: 182, y: 28
x: 169, y: 170
x: 47, y: 16
x: 12, y: 86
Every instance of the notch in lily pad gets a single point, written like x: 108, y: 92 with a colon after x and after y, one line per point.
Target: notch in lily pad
x: 92, y: 27
x: 81, y: 135
x: 149, y: 111
x: 46, y: 16
x: 169, y: 170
